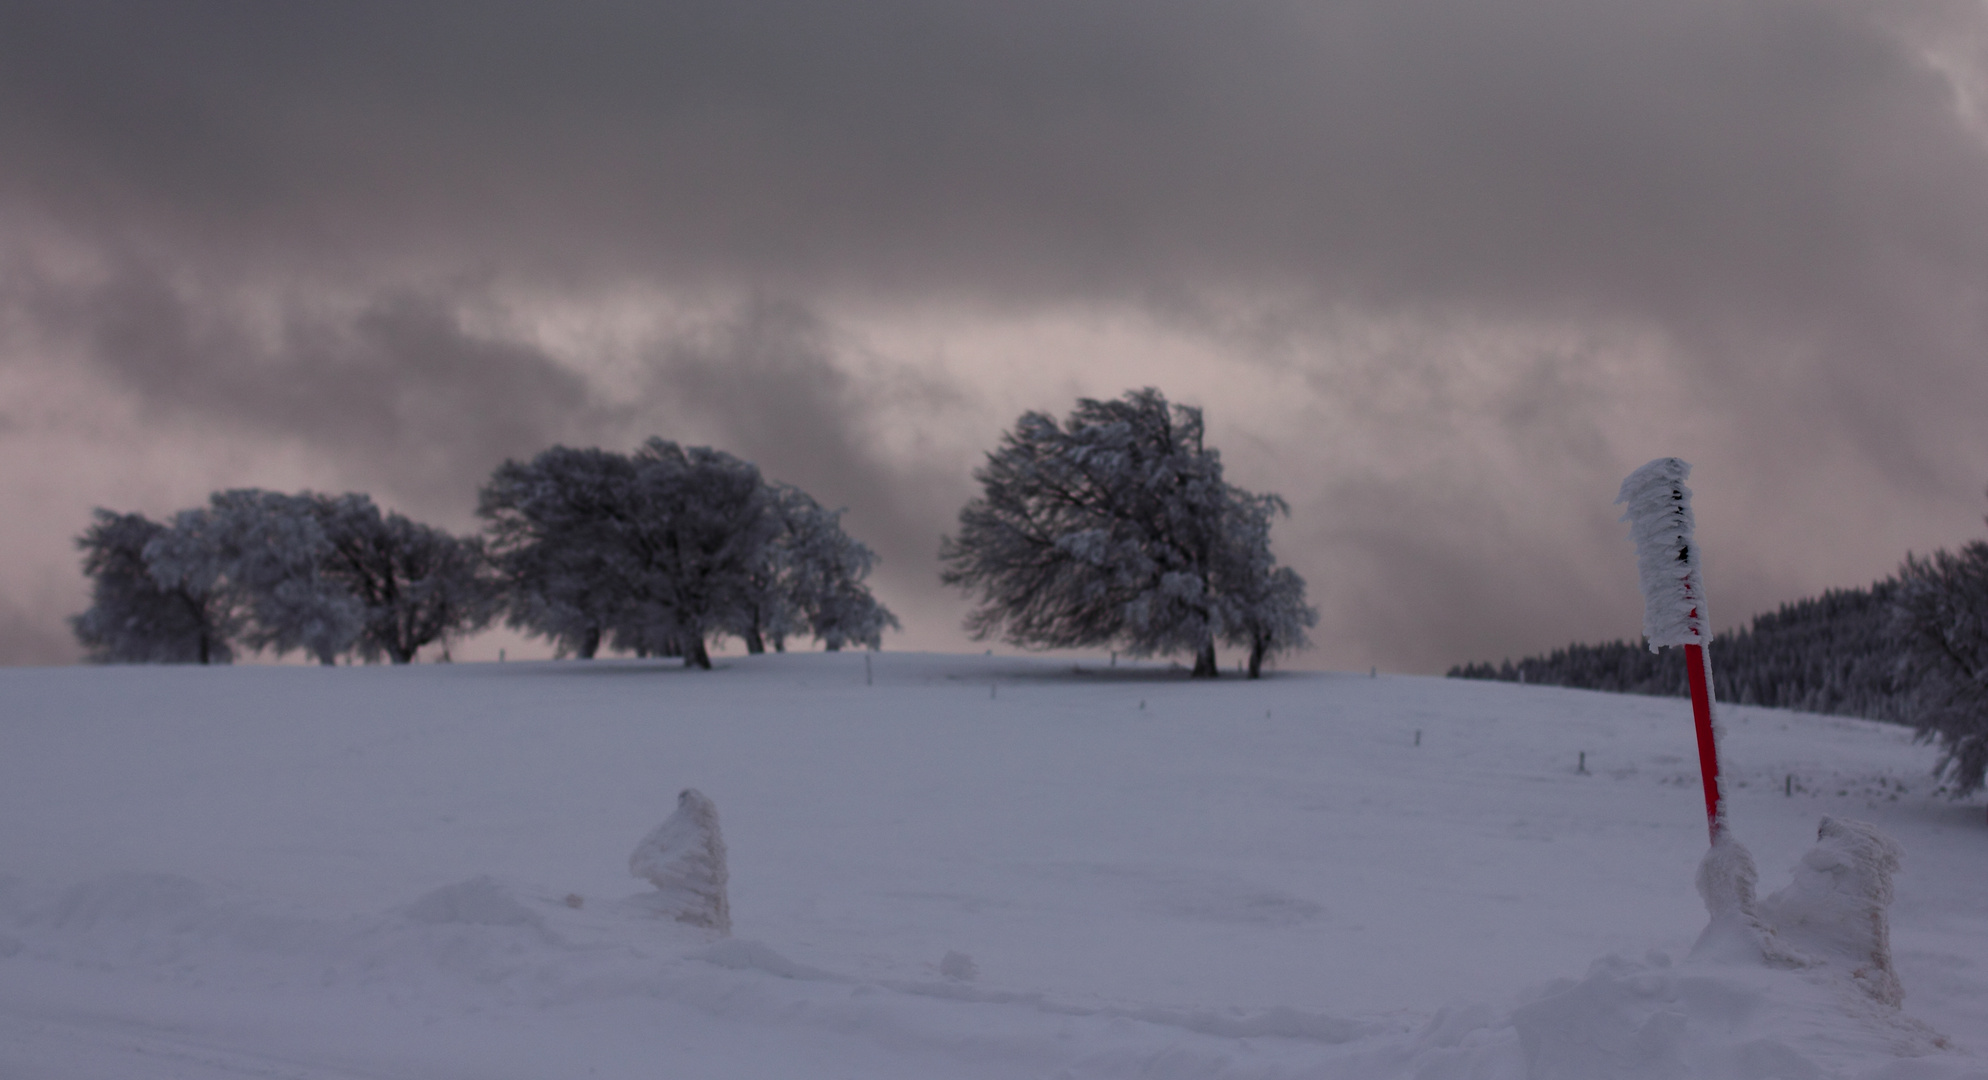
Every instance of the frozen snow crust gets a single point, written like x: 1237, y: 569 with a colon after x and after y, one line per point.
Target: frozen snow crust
x: 423, y: 873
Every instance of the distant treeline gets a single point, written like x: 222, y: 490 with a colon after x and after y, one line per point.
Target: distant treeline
x: 1837, y: 653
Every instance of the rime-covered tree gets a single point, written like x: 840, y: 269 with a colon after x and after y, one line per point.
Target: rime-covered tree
x: 844, y: 613
x: 554, y: 527
x: 134, y: 617
x: 699, y: 520
x: 1264, y: 604
x: 810, y: 580
x: 1113, y: 526
x: 1941, y: 614
x: 415, y: 584
x: 263, y: 552
x: 653, y: 552
x: 654, y: 549
x: 766, y: 612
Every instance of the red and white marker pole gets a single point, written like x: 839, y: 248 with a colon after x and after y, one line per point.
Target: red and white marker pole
x: 1708, y: 742
x: 1660, y: 521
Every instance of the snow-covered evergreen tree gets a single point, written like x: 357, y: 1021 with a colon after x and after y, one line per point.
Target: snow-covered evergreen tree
x: 1942, y: 617
x: 1835, y: 653
x: 1116, y: 526
x: 415, y: 584
x: 134, y: 617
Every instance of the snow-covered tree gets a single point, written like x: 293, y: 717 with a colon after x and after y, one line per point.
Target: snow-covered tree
x: 653, y: 552
x: 263, y: 552
x: 827, y: 571
x: 655, y: 549
x: 1264, y: 604
x: 699, y: 521
x: 134, y: 617
x: 325, y: 574
x: 810, y: 580
x: 1116, y: 526
x: 415, y: 584
x: 1941, y: 607
x: 554, y: 524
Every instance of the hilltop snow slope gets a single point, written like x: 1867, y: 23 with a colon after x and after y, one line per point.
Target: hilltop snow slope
x: 975, y: 867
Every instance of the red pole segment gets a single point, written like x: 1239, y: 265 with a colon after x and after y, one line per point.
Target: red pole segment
x: 1700, y: 671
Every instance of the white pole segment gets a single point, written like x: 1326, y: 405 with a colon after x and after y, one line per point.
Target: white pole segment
x: 1660, y: 522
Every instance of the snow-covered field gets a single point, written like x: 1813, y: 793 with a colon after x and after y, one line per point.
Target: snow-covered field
x: 968, y: 867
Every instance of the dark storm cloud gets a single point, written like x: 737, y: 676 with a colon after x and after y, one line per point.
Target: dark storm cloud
x: 1782, y: 195
x: 773, y: 383
x: 403, y: 393
x: 1653, y: 157
x: 399, y: 389
x: 1723, y: 172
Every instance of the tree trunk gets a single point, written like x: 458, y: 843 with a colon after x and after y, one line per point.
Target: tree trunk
x: 695, y: 656
x: 1204, y: 661
x: 1257, y: 647
x: 590, y: 643
x: 754, y: 643
x: 199, y: 612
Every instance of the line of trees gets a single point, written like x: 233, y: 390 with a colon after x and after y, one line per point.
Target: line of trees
x: 327, y: 575
x: 651, y: 553
x: 1910, y: 649
x: 1836, y: 653
x: 1113, y: 527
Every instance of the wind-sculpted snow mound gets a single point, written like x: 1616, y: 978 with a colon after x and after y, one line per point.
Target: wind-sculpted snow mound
x: 684, y: 858
x: 1837, y: 910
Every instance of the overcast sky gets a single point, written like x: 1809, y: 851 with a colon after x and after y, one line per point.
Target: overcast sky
x: 1440, y: 272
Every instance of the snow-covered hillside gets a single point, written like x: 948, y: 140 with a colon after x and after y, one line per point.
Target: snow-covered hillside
x: 940, y: 866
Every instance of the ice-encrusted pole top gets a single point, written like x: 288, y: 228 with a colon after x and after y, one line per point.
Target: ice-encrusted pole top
x: 1660, y: 522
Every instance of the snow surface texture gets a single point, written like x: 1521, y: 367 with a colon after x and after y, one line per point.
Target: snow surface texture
x: 1660, y: 522
x: 685, y: 859
x: 418, y: 873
